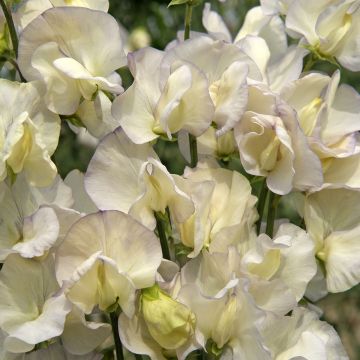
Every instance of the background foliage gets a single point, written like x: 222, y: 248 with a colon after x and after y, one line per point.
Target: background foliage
x: 162, y: 24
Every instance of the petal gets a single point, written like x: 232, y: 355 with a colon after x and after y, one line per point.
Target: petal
x: 40, y: 232
x: 215, y: 25
x: 117, y: 159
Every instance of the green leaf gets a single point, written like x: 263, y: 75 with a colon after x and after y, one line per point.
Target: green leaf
x: 189, y: 2
x: 178, y: 2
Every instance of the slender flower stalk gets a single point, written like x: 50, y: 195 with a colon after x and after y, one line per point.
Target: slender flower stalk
x: 10, y: 22
x: 13, y: 35
x: 261, y: 204
x: 162, y: 234
x: 192, y: 138
x: 273, y: 202
x: 115, y: 330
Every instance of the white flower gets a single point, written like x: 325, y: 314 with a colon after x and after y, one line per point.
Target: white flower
x: 224, y: 209
x: 104, y: 258
x: 332, y: 220
x: 226, y: 68
x: 33, y: 219
x: 31, y: 9
x: 289, y: 257
x: 29, y: 133
x: 272, y: 144
x: 31, y: 311
x: 128, y: 177
x: 329, y: 27
x: 79, y: 65
x: 303, y: 336
x: 162, y: 101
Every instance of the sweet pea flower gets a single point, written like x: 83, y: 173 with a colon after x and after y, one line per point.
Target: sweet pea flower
x: 329, y: 116
x: 104, y: 259
x: 31, y: 309
x: 31, y: 9
x: 163, y: 101
x: 79, y: 65
x: 29, y: 133
x: 146, y: 185
x: 303, y: 336
x: 328, y: 28
x: 33, y: 219
x: 333, y: 223
x: 224, y: 208
x: 217, y: 290
x: 290, y: 257
x: 272, y: 144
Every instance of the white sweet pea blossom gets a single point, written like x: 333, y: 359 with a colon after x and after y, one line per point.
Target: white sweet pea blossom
x: 105, y: 258
x: 130, y: 178
x: 332, y: 220
x: 30, y: 308
x: 329, y: 28
x: 226, y: 68
x: 303, y: 336
x: 329, y: 116
x: 289, y: 257
x: 218, y: 292
x: 33, y: 219
x: 272, y: 144
x: 31, y: 9
x: 79, y: 65
x: 224, y: 209
x: 29, y: 133
x: 163, y: 101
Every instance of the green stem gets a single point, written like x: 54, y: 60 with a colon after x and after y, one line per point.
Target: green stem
x: 193, y: 150
x: 115, y: 330
x: 188, y: 16
x: 162, y: 234
x: 261, y: 204
x: 10, y: 22
x: 138, y: 357
x: 192, y: 138
x: 310, y: 63
x: 271, y: 215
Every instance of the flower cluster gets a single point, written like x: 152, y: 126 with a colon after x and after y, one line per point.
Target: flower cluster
x: 178, y: 265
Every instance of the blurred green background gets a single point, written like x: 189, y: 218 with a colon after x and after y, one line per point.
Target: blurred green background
x: 162, y: 23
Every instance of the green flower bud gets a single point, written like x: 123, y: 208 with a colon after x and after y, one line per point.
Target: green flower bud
x: 169, y: 322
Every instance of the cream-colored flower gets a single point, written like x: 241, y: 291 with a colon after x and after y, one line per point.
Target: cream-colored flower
x: 31, y: 310
x: 272, y: 144
x: 128, y: 177
x: 79, y: 64
x: 32, y: 220
x: 329, y: 116
x: 224, y: 209
x: 332, y: 220
x: 216, y: 289
x: 163, y: 100
x: 303, y: 336
x: 227, y: 69
x: 31, y: 9
x: 290, y: 257
x: 104, y: 258
x: 329, y: 28
x: 29, y: 133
